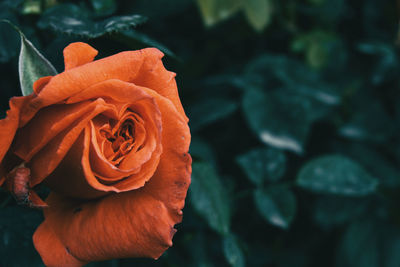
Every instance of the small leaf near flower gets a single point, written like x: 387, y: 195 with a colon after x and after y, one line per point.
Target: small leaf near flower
x: 32, y: 64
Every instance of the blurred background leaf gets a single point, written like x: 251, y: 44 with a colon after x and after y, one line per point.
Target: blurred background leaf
x: 210, y: 110
x: 277, y: 204
x: 267, y: 164
x: 258, y: 13
x: 214, y: 11
x: 335, y: 174
x: 74, y: 19
x: 233, y: 252
x: 209, y: 197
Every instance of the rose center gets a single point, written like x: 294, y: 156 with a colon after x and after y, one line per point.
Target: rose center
x: 123, y: 138
x: 119, y: 138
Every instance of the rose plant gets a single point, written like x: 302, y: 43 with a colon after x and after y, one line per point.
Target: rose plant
x: 110, y: 139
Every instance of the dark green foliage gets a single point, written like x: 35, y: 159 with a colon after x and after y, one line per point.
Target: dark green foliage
x: 266, y: 164
x: 287, y: 99
x: 335, y: 174
x: 294, y: 110
x: 276, y: 204
x: 210, y: 110
x: 72, y: 19
x: 209, y: 197
x: 233, y: 252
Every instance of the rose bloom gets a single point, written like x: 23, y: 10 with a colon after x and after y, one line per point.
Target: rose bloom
x: 110, y: 139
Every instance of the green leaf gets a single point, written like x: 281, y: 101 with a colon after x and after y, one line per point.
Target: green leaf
x: 336, y: 174
x: 71, y: 19
x: 369, y: 121
x: 373, y: 161
x: 210, y: 110
x: 281, y: 70
x: 32, y: 7
x: 279, y: 120
x: 258, y: 13
x: 263, y: 164
x: 214, y: 11
x: 209, y: 197
x: 232, y: 251
x: 277, y: 204
x: 285, y: 100
x: 32, y: 65
x: 321, y: 48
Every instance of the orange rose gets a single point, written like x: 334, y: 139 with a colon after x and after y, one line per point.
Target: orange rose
x: 110, y: 139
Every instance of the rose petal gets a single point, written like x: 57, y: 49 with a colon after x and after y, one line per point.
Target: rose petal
x: 130, y: 182
x: 126, y: 92
x: 106, y: 172
x: 174, y: 169
x: 68, y: 178
x: 40, y: 83
x: 129, y: 224
x: 8, y: 128
x: 48, y: 158
x: 143, y: 67
x: 9, y: 125
x: 34, y: 201
x: 74, y: 176
x: 77, y: 54
x: 178, y: 143
x: 152, y: 123
x: 135, y: 169
x: 123, y: 66
x: 153, y: 75
x: 53, y: 120
x: 175, y: 135
x: 59, y: 255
